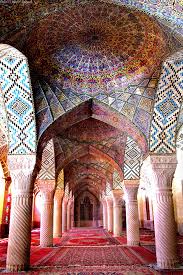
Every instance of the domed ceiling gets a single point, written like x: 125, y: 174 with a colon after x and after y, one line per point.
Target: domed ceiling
x: 92, y: 47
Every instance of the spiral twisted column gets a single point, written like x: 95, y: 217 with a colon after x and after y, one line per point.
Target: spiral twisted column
x: 162, y: 169
x: 117, y: 212
x: 47, y: 189
x: 57, y: 213
x: 109, y: 201
x: 64, y: 214
x: 132, y: 219
x: 18, y: 254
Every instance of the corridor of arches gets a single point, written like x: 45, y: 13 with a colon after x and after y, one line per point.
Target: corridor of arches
x: 91, y: 137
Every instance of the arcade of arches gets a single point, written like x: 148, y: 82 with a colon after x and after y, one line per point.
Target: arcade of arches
x: 91, y: 127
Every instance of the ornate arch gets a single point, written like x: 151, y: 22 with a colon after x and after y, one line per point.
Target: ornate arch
x: 97, y: 110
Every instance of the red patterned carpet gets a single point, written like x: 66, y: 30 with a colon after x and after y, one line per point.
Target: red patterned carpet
x: 88, y: 237
x: 89, y: 252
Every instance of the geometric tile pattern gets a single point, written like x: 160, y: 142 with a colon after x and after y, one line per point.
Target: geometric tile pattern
x: 167, y: 106
x: 17, y: 93
x: 132, y: 161
x: 60, y: 180
x: 108, y: 189
x: 67, y: 193
x: 47, y: 171
x: 117, y: 181
x: 3, y: 118
x: 180, y: 118
x: 134, y: 101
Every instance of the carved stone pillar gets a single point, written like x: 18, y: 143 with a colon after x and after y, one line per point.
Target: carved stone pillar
x: 105, y: 223
x: 109, y: 201
x: 57, y: 213
x: 18, y: 255
x: 72, y: 213
x: 64, y: 214
x: 162, y: 169
x: 132, y: 219
x: 69, y: 214
x: 47, y: 188
x: 117, y: 212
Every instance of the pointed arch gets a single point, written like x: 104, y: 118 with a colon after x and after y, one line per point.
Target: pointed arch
x: 97, y: 110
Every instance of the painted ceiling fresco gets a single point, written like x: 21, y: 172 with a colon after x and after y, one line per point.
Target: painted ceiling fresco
x: 92, y: 49
x: 26, y: 13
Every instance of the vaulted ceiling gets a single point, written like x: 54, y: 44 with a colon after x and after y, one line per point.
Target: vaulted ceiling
x: 95, y: 67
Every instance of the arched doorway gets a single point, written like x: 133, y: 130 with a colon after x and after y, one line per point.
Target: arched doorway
x: 86, y: 210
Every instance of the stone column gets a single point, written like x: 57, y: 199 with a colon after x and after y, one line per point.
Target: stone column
x: 105, y: 218
x: 178, y: 199
x: 109, y: 201
x: 57, y: 213
x: 69, y: 214
x: 47, y: 188
x: 64, y: 214
x: 117, y: 212
x: 72, y: 213
x: 162, y: 169
x: 132, y: 219
x: 18, y: 255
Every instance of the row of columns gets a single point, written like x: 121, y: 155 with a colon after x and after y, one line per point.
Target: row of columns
x: 112, y: 212
x: 161, y: 170
x: 18, y: 254
x: 55, y: 217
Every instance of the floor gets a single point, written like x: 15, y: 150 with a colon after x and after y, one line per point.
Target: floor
x: 93, y: 251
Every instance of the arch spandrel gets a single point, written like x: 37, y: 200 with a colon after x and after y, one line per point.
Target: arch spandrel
x: 167, y: 106
x: 18, y: 100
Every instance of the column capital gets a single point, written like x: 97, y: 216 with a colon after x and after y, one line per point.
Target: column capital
x: 59, y: 193
x: 109, y: 200
x: 21, y: 168
x: 65, y: 200
x: 162, y: 161
x: 117, y: 197
x: 46, y: 185
x: 131, y: 183
x: 21, y: 162
x: 162, y: 169
x: 47, y: 189
x: 131, y: 191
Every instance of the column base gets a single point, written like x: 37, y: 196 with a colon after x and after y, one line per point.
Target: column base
x: 57, y: 235
x: 167, y: 264
x: 117, y: 235
x: 16, y: 268
x: 46, y: 245
x: 133, y: 243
